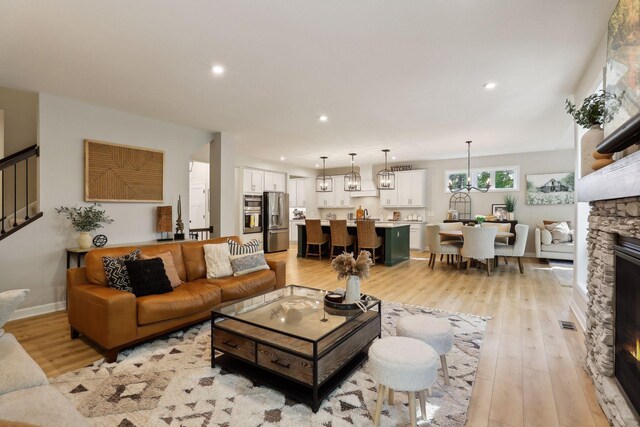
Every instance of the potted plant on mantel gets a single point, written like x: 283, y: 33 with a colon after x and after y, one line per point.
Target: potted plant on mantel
x: 510, y: 203
x: 85, y: 220
x: 596, y: 110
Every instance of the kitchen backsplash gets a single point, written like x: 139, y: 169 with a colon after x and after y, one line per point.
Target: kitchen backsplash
x: 372, y: 204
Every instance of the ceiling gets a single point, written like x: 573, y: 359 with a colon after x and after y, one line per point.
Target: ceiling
x: 405, y: 75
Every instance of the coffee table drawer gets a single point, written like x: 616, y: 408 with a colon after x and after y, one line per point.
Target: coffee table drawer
x: 285, y: 363
x: 234, y: 344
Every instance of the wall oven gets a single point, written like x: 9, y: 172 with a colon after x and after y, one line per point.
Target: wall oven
x: 252, y: 214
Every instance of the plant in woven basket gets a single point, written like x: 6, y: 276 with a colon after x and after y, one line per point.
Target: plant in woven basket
x: 86, y: 218
x: 346, y: 265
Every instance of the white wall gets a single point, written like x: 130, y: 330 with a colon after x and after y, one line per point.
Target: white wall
x: 35, y: 257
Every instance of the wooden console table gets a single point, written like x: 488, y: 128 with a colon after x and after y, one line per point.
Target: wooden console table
x: 80, y: 252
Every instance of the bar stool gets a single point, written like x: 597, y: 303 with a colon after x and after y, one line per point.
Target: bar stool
x: 368, y: 239
x: 315, y: 236
x: 340, y: 237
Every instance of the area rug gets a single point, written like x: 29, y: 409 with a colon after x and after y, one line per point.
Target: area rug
x: 170, y: 382
x: 563, y: 270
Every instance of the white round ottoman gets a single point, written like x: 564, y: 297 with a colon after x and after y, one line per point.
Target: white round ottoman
x: 437, y: 332
x: 403, y: 364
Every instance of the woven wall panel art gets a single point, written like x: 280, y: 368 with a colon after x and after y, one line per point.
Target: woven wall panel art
x: 119, y: 173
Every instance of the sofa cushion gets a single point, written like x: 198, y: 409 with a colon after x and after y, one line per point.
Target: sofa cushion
x: 193, y: 255
x: 18, y: 369
x: 560, y: 232
x: 169, y: 266
x: 248, y: 263
x: 243, y: 286
x: 558, y: 247
x: 148, y: 277
x: 116, y: 270
x: 186, y: 299
x: 216, y: 257
x: 9, y: 301
x: 545, y: 237
x: 43, y: 406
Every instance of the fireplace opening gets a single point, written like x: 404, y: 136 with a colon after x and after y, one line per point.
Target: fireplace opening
x: 627, y: 318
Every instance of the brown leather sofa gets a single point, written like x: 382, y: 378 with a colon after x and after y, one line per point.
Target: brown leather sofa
x: 117, y: 319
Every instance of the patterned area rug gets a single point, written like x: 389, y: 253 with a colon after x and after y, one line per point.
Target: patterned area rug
x: 169, y: 382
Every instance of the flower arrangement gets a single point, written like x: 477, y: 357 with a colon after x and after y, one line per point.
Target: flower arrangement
x: 86, y: 218
x: 346, y: 265
x: 480, y: 218
x: 596, y: 109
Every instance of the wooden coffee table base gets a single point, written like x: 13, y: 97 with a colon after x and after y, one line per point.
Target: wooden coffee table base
x: 313, y: 397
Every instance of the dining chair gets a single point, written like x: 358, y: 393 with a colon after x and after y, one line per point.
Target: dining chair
x: 479, y: 243
x: 315, y: 237
x: 517, y: 249
x: 340, y: 237
x: 436, y: 247
x: 368, y: 239
x: 500, y: 240
x: 444, y: 226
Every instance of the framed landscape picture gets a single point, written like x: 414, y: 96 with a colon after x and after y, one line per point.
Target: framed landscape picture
x: 550, y: 189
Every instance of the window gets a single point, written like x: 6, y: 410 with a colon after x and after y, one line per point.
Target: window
x: 504, y: 178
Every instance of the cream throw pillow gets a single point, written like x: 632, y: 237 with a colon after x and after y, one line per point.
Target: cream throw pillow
x: 560, y: 232
x: 9, y: 301
x: 216, y: 257
x: 545, y: 237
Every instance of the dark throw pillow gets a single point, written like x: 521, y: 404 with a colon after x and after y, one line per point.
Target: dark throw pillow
x: 116, y: 270
x: 148, y: 277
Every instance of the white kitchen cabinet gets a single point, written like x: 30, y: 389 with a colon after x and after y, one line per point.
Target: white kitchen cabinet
x: 342, y: 198
x: 409, y: 191
x: 416, y: 237
x: 326, y: 199
x: 297, y: 193
x: 274, y: 181
x: 253, y: 181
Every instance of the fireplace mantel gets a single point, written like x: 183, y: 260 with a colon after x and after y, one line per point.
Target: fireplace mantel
x: 619, y: 179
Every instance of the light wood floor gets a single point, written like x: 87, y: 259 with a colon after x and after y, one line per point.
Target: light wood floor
x: 530, y: 373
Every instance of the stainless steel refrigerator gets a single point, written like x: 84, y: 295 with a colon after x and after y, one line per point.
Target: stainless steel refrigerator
x: 276, y: 221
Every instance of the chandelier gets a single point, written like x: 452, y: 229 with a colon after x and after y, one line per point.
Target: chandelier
x: 469, y: 187
x: 324, y: 183
x: 352, y: 180
x: 386, y: 178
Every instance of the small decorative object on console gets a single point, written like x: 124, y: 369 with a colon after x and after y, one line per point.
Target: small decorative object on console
x: 354, y: 270
x: 480, y: 219
x: 85, y: 220
x: 179, y: 234
x: 100, y: 240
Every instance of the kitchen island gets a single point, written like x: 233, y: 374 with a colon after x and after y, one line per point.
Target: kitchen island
x: 395, y: 239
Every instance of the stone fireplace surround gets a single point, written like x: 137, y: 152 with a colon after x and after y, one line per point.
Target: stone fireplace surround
x: 607, y: 219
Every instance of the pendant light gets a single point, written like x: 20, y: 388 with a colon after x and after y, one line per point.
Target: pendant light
x: 324, y: 183
x: 469, y: 187
x: 352, y: 180
x: 386, y: 180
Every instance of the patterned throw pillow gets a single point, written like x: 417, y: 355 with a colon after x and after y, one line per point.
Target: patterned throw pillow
x: 148, y: 277
x: 248, y: 263
x: 116, y: 271
x: 248, y: 248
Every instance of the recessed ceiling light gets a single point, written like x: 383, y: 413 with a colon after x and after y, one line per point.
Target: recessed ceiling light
x: 317, y: 165
x: 323, y: 118
x: 393, y: 157
x: 281, y: 157
x: 489, y: 85
x: 218, y: 70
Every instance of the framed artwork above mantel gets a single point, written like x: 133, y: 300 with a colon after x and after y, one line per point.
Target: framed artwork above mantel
x: 121, y: 173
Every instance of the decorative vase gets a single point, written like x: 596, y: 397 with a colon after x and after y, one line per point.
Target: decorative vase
x: 84, y: 240
x: 588, y: 144
x: 353, y: 290
x: 511, y: 216
x: 601, y: 160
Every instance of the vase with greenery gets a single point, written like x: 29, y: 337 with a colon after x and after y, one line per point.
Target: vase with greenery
x: 510, y: 203
x: 354, y: 270
x: 85, y: 220
x: 480, y: 219
x: 596, y: 110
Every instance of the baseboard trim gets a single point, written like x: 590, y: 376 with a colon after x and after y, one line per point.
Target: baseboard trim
x: 38, y: 310
x: 580, y: 315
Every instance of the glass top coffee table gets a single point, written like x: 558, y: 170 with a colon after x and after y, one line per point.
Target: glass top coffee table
x: 286, y: 340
